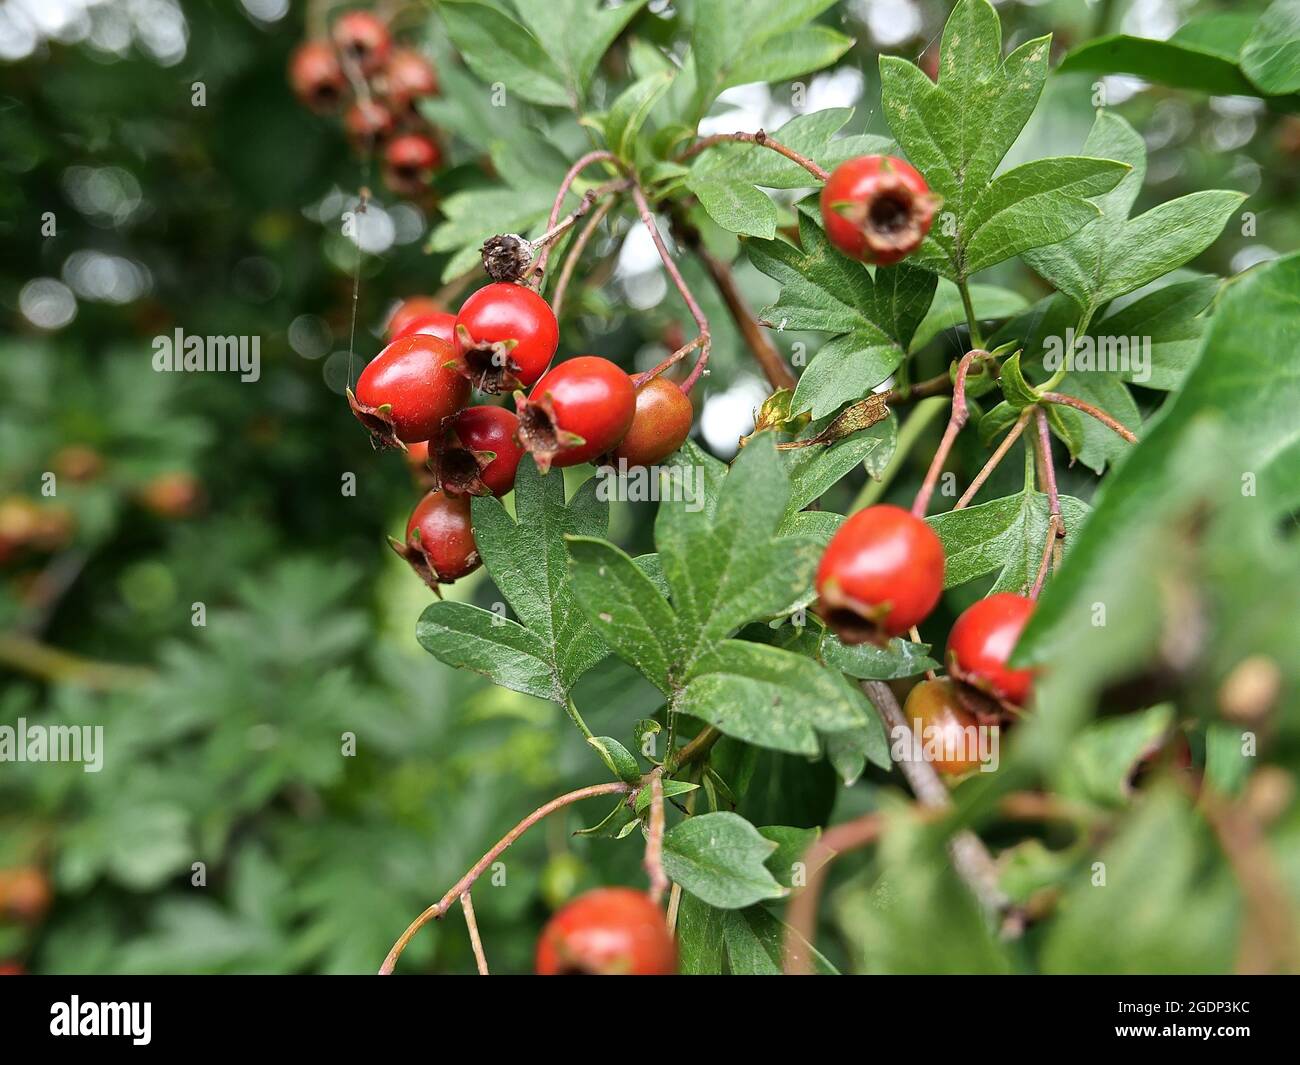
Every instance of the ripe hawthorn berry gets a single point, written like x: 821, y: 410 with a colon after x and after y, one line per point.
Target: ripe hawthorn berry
x: 607, y: 932
x: 982, y: 640
x: 935, y: 715
x: 367, y: 121
x: 316, y: 76
x: 408, y: 310
x: 408, y: 76
x: 579, y: 410
x: 439, y: 541
x: 409, y: 160
x: 24, y: 893
x: 362, y: 37
x: 876, y: 208
x: 507, y: 335
x: 173, y: 495
x: 660, y: 426
x: 478, y: 454
x: 406, y: 391
x: 881, y: 574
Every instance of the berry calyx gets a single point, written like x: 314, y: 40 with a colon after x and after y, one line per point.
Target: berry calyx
x: 982, y: 640
x: 579, y: 410
x: 479, y: 454
x: 877, y: 208
x: 439, y: 543
x: 881, y: 573
x: 409, y: 161
x: 948, y: 736
x: 408, y: 389
x: 408, y: 76
x: 316, y: 76
x: 363, y: 38
x: 660, y: 426
x: 507, y: 335
x: 368, y: 121
x: 607, y: 932
x: 408, y: 310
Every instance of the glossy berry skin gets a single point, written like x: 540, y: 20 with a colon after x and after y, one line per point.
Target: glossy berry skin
x: 408, y: 310
x: 409, y: 162
x: 982, y: 640
x: 507, y: 335
x: 439, y: 540
x: 607, y: 932
x: 408, y: 389
x: 362, y: 37
x: 660, y: 426
x: 881, y: 574
x: 479, y: 453
x: 440, y: 324
x: 579, y: 410
x: 408, y: 76
x: 316, y: 76
x: 367, y: 121
x: 939, y: 723
x: 876, y: 208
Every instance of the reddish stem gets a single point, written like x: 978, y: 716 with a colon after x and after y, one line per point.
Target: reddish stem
x: 996, y: 458
x: 1055, y: 523
x: 701, y: 322
x: 569, y: 178
x: 1091, y: 411
x: 763, y: 141
x: 483, y: 864
x: 955, y: 422
x: 654, y: 848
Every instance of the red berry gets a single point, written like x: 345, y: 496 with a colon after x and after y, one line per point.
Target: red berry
x: 363, y: 38
x: 579, y: 410
x: 508, y: 335
x: 881, y: 574
x: 408, y: 310
x: 607, y: 932
x: 876, y: 208
x: 11, y: 968
x: 24, y: 893
x: 409, y: 161
x: 407, y: 390
x: 408, y: 76
x: 367, y: 121
x: 316, y: 76
x: 440, y: 324
x: 479, y: 454
x: 439, y: 540
x: 946, y: 733
x: 660, y: 426
x: 982, y: 640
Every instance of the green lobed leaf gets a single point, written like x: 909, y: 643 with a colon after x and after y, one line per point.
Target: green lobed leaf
x: 1271, y: 56
x: 468, y: 637
x: 756, y: 940
x: 813, y: 470
x: 617, y: 758
x: 576, y: 52
x: 1103, y: 756
x: 899, y: 660
x: 498, y: 49
x: 719, y: 858
x: 629, y: 112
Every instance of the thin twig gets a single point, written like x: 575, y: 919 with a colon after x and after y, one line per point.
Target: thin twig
x: 1055, y: 522
x: 463, y: 885
x: 701, y: 322
x: 997, y: 457
x: 26, y: 655
x: 1087, y: 408
x: 763, y: 141
x: 570, y: 177
x: 654, y: 847
x: 774, y: 367
x: 801, y: 916
x: 638, y: 379
x: 970, y: 858
x: 939, y: 385
x: 575, y: 253
x: 955, y: 422
x: 474, y: 941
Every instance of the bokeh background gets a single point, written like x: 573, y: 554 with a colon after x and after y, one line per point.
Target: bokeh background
x: 128, y: 209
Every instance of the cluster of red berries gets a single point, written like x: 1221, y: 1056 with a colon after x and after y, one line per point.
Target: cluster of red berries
x: 414, y: 395
x: 881, y: 574
x: 383, y: 83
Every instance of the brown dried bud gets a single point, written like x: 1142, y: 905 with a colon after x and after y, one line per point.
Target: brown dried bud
x: 506, y: 256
